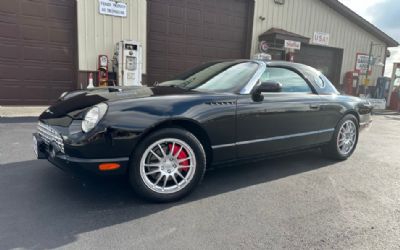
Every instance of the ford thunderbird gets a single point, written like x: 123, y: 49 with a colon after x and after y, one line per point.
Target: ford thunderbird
x: 164, y: 137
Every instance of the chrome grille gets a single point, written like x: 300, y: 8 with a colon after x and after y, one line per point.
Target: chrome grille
x: 49, y: 135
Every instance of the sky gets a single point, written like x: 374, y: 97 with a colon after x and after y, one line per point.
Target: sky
x: 385, y: 14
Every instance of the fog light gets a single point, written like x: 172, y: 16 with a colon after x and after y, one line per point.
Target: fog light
x: 108, y: 166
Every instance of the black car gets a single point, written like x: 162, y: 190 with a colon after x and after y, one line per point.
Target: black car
x: 164, y: 137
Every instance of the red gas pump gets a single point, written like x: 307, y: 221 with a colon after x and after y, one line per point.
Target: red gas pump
x: 395, y: 99
x: 102, y: 71
x: 351, y: 81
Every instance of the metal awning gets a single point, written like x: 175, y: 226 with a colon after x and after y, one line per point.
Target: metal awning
x: 274, y: 34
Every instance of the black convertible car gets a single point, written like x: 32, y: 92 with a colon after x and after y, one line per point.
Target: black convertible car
x: 164, y: 137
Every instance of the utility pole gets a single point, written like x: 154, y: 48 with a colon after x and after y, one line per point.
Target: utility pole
x: 367, y: 72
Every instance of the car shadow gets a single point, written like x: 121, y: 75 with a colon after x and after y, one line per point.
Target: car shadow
x: 42, y: 207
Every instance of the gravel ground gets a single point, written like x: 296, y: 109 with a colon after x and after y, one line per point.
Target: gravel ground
x: 301, y: 201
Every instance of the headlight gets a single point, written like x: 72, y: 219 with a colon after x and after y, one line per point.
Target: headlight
x: 93, y: 116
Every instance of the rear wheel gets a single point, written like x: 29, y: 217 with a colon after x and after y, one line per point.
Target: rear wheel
x: 167, y: 165
x: 344, y: 140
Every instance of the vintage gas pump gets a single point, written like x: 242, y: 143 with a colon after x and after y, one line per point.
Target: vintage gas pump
x: 127, y: 63
x: 351, y: 82
x: 102, y: 72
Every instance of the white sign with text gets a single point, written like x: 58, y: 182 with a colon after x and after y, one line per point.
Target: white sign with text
x: 292, y: 45
x: 112, y: 8
x: 321, y: 38
x: 362, y: 64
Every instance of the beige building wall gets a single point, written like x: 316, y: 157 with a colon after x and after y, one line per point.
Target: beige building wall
x: 98, y: 34
x: 305, y: 17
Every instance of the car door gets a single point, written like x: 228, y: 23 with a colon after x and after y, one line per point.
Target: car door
x: 282, y: 121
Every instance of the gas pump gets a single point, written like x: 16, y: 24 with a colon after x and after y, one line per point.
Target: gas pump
x: 102, y: 71
x: 394, y: 93
x: 351, y: 82
x: 127, y: 63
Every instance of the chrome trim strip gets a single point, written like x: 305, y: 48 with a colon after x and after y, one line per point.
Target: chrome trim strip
x: 273, y: 138
x: 74, y: 159
x: 253, y: 81
x: 223, y: 145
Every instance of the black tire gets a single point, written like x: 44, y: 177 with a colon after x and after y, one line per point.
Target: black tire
x: 137, y: 182
x: 331, y: 150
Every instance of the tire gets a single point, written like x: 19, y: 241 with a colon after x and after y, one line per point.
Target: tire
x: 337, y: 148
x: 170, y: 174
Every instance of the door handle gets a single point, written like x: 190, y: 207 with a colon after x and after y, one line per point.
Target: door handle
x: 314, y: 106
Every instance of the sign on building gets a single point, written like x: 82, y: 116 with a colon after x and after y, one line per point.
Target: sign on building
x: 292, y: 45
x: 263, y: 47
x: 362, y: 64
x: 112, y: 8
x: 321, y: 38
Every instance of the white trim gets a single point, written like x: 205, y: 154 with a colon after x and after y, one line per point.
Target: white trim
x: 273, y: 138
x: 253, y: 81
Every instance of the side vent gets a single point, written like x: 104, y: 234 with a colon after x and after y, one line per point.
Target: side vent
x: 220, y: 103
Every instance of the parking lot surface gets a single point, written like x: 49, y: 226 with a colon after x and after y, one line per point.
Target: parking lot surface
x: 303, y: 201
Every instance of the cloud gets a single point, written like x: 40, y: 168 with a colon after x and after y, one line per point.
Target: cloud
x: 394, y: 58
x: 385, y: 15
x: 361, y: 7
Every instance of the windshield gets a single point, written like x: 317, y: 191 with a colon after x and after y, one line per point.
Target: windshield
x: 216, y: 77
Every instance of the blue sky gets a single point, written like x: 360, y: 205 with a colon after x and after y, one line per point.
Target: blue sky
x: 385, y: 14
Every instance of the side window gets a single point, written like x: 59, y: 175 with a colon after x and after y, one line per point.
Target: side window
x: 290, y: 80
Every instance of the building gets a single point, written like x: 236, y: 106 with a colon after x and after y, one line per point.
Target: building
x: 49, y: 46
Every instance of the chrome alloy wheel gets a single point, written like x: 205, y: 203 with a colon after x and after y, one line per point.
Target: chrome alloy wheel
x: 167, y: 166
x: 347, y: 137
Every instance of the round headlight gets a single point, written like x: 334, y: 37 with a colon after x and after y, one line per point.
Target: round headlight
x: 93, y: 116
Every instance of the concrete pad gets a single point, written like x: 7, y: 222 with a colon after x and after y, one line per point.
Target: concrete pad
x: 21, y: 111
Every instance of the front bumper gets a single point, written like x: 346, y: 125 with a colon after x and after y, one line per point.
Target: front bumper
x: 72, y: 164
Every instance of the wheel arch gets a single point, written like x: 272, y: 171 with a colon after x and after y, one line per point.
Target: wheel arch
x: 353, y: 112
x: 187, y: 124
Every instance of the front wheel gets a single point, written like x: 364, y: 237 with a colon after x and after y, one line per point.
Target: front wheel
x: 344, y: 140
x: 167, y: 165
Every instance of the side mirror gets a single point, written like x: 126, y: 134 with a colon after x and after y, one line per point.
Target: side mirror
x: 266, y: 87
x: 269, y: 87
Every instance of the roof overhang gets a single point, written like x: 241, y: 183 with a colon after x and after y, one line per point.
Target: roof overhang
x: 280, y: 34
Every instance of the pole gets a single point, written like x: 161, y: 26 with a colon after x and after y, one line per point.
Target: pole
x: 367, y: 72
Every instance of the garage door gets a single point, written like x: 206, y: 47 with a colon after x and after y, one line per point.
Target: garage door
x: 185, y: 33
x: 37, y: 50
x: 327, y: 60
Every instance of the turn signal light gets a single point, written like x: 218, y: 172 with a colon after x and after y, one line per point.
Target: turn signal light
x: 108, y: 166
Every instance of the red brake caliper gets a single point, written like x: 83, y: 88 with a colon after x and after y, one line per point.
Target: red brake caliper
x: 182, y: 155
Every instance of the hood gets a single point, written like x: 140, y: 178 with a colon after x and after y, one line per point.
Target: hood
x: 74, y: 104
